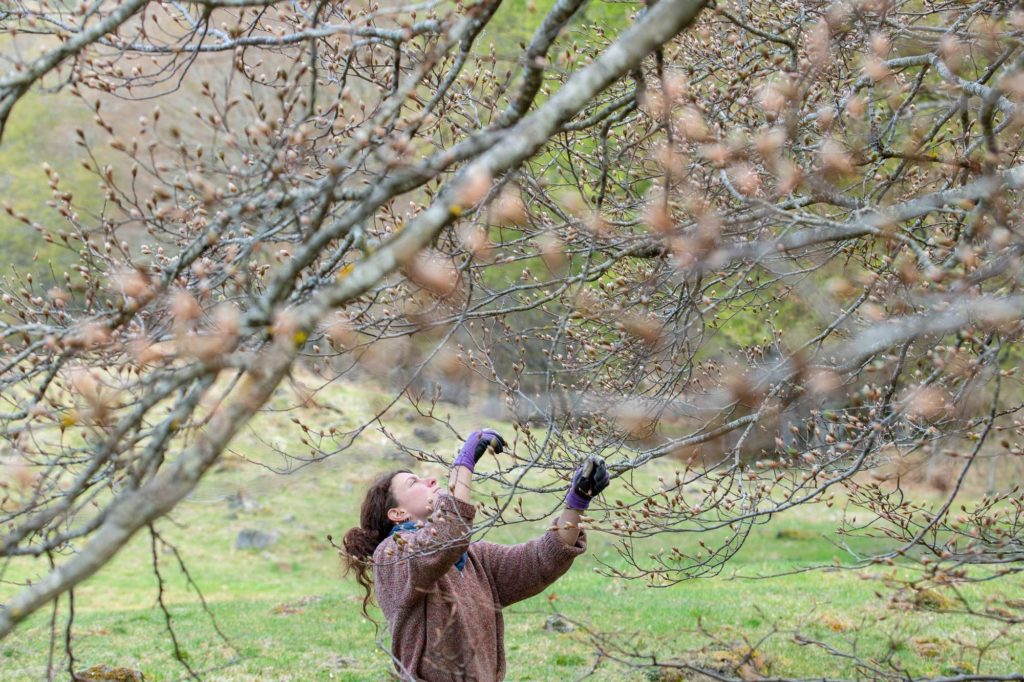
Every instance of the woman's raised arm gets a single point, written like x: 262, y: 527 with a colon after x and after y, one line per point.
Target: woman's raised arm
x: 417, y: 558
x: 520, y: 571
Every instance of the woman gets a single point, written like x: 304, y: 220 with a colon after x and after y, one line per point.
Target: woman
x: 442, y: 595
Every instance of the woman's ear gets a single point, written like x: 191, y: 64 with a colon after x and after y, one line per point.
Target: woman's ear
x: 397, y: 515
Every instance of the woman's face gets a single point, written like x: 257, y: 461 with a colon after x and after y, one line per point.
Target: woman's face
x: 414, y: 497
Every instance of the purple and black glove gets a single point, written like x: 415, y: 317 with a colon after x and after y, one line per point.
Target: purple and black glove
x: 476, y: 445
x: 587, y: 483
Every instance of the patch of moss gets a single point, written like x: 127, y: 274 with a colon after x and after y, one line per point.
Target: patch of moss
x: 932, y: 599
x: 106, y: 673
x: 737, y: 659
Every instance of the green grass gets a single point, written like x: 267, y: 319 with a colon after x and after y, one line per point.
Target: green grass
x: 292, y: 616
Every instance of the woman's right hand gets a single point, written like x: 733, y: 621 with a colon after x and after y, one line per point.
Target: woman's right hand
x: 587, y: 483
x: 476, y: 445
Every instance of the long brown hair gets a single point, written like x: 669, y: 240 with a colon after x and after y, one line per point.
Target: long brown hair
x: 374, y: 527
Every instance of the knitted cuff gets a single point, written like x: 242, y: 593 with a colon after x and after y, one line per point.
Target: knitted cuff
x: 576, y: 501
x: 465, y: 459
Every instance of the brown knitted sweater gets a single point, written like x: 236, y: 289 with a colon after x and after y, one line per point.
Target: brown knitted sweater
x: 446, y: 624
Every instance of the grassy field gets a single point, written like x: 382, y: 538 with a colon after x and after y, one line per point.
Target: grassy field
x: 291, y: 616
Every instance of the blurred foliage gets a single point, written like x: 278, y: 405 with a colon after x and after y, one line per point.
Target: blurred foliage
x: 41, y: 128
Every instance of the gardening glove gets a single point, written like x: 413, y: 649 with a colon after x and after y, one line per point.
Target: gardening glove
x: 476, y: 445
x: 588, y: 481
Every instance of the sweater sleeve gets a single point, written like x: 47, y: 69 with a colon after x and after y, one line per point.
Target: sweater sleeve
x: 408, y: 563
x: 521, y: 571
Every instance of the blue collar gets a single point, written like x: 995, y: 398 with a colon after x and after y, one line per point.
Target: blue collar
x: 411, y: 526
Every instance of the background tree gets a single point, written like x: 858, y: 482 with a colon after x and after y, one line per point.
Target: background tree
x: 777, y: 241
